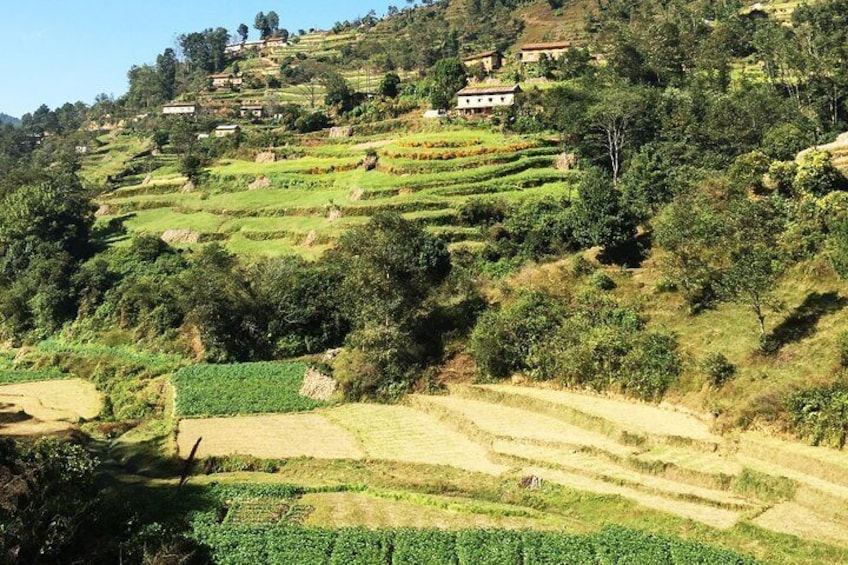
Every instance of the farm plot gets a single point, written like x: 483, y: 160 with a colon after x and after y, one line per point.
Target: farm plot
x: 351, y: 509
x: 34, y: 408
x: 640, y: 418
x: 273, y: 436
x: 399, y: 433
x: 246, y: 388
x: 493, y: 434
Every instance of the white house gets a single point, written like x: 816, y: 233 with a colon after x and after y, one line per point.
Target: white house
x: 252, y: 111
x: 226, y: 130
x: 532, y: 52
x: 225, y: 80
x: 485, y: 100
x: 181, y: 108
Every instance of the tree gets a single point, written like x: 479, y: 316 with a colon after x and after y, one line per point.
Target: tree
x: 166, y: 67
x: 243, y: 31
x: 205, y: 51
x: 614, y: 119
x: 48, y: 501
x: 391, y: 266
x: 191, y: 166
x: 389, y: 85
x: 600, y: 216
x: 267, y: 24
x: 337, y: 91
x: 447, y: 78
x: 273, y: 21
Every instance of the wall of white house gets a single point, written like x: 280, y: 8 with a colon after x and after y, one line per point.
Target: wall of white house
x: 479, y: 101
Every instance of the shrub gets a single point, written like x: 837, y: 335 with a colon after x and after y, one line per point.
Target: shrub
x: 820, y: 414
x: 581, y: 266
x: 482, y: 212
x: 602, y: 281
x: 503, y: 339
x: 718, y: 368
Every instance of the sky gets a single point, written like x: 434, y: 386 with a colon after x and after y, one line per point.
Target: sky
x: 59, y: 51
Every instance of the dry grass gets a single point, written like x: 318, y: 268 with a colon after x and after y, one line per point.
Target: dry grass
x: 699, y: 461
x: 709, y: 515
x: 600, y: 468
x: 825, y: 463
x: 269, y: 436
x: 796, y: 520
x: 633, y: 416
x: 507, y: 422
x: 399, y: 433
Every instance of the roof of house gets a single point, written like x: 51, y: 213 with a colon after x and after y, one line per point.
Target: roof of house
x: 180, y: 104
x: 228, y: 127
x: 472, y: 91
x: 543, y: 46
x: 223, y: 75
x: 491, y: 53
x: 251, y: 107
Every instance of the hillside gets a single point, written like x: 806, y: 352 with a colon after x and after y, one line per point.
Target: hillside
x: 337, y: 297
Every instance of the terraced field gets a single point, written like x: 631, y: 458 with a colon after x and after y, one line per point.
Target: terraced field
x: 46, y: 407
x: 657, y: 457
x: 302, y: 203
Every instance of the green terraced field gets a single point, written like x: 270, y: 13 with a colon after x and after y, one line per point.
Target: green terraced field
x: 316, y: 191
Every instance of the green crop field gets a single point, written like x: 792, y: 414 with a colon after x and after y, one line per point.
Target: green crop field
x: 261, y: 524
x: 248, y: 388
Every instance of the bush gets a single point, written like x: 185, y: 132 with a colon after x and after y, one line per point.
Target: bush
x: 581, y: 266
x: 820, y: 414
x: 718, y: 368
x: 602, y: 281
x: 503, y: 339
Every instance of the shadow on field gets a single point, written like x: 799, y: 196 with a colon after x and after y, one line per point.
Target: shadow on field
x: 801, y: 323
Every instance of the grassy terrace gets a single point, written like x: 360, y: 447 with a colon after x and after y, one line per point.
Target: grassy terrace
x: 309, y: 198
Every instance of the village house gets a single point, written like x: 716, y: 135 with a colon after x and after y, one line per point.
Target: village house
x: 532, y: 52
x: 181, y: 109
x: 251, y: 111
x: 485, y: 100
x: 226, y: 80
x: 275, y: 42
x: 237, y: 48
x: 227, y: 130
x: 491, y: 60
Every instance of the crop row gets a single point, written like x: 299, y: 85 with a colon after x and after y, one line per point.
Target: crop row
x: 230, y: 544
